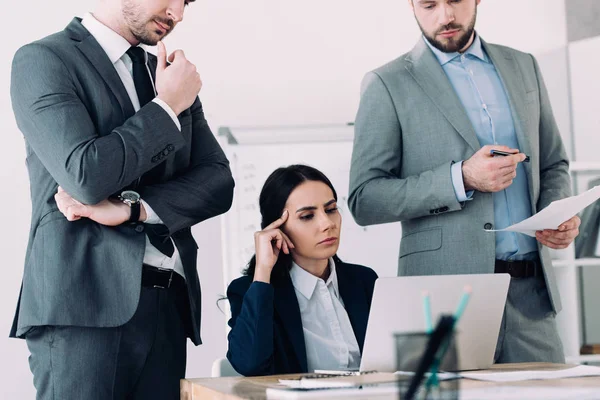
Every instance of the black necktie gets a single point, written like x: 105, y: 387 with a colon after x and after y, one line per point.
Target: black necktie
x: 141, y: 77
x: 159, y: 238
x: 157, y: 234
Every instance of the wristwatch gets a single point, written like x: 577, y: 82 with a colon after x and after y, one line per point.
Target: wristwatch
x: 132, y: 199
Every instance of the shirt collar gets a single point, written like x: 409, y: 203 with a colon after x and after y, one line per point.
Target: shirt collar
x: 113, y: 44
x: 305, y: 282
x: 476, y: 50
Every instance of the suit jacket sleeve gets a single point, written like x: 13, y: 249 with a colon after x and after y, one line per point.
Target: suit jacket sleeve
x: 251, y: 337
x: 202, y: 190
x: 555, y: 183
x: 88, y: 164
x: 378, y: 191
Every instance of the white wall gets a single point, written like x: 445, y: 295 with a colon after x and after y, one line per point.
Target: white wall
x: 263, y: 62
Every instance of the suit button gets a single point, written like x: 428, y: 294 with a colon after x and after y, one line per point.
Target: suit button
x: 165, y: 152
x: 139, y: 228
x: 170, y: 147
x: 444, y: 209
x: 487, y: 226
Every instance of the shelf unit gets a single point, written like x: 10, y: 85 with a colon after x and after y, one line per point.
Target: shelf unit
x: 567, y: 270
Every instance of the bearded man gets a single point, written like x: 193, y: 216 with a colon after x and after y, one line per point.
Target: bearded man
x: 122, y: 164
x: 426, y: 132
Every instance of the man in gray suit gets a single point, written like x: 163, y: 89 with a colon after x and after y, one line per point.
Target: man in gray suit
x: 122, y: 164
x: 424, y: 132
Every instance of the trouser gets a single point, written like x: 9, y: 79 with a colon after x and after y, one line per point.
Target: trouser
x: 528, y: 332
x: 143, y: 359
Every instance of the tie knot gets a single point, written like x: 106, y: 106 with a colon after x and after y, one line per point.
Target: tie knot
x: 137, y: 55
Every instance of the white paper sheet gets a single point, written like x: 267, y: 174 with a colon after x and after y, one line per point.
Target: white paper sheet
x: 555, y: 214
x: 516, y: 376
x: 532, y: 393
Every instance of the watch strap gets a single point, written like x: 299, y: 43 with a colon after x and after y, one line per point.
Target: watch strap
x: 135, y: 211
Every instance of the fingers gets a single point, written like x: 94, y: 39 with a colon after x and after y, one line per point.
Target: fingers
x: 74, y: 212
x: 570, y: 224
x: 69, y: 207
x: 275, y: 238
x: 280, y: 240
x: 556, y: 239
x: 287, y: 243
x: 161, y: 56
x: 278, y: 222
x: 508, y: 162
x: 553, y: 244
x: 176, y: 55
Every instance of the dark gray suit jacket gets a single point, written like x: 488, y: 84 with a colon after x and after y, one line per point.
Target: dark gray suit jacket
x: 410, y: 128
x: 82, y: 133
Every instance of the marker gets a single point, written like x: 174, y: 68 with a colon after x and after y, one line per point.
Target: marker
x: 504, y: 153
x: 462, y: 304
x: 427, y: 312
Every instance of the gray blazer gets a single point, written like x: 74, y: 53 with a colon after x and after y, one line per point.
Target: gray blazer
x: 411, y: 127
x: 82, y: 133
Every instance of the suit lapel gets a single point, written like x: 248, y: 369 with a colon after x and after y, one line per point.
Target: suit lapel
x: 512, y: 79
x: 98, y: 58
x: 427, y: 71
x: 355, y: 303
x: 286, y: 306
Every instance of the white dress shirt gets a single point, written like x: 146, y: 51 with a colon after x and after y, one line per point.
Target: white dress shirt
x: 328, y: 335
x: 115, y: 47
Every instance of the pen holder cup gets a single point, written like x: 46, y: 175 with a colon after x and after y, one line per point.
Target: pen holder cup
x: 410, y: 349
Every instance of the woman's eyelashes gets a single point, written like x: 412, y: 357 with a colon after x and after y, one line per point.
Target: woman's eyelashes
x: 307, y: 217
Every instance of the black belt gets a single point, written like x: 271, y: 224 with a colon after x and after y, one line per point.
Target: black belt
x: 161, y: 278
x: 519, y: 269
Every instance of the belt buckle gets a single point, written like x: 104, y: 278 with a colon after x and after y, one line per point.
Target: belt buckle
x: 170, y: 272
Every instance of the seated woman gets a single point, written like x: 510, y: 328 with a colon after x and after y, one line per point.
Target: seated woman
x: 299, y: 307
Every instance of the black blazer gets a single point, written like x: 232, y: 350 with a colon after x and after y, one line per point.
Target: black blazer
x: 82, y: 133
x: 266, y: 334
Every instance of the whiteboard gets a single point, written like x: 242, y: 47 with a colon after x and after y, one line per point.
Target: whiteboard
x: 254, y: 153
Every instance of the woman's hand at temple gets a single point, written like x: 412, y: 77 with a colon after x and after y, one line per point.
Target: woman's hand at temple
x: 268, y: 244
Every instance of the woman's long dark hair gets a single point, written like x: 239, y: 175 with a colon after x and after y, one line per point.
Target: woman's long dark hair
x: 273, y: 196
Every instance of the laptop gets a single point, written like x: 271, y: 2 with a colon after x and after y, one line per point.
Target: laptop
x: 397, y: 307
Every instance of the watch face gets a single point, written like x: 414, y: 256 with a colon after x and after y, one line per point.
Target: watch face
x: 130, y: 195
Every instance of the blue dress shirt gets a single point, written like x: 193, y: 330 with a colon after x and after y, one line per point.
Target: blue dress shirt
x: 482, y: 94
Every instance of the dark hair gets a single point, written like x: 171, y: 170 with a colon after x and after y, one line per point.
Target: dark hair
x: 273, y: 196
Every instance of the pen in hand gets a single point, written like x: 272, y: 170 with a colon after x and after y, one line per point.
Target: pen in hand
x: 504, y: 153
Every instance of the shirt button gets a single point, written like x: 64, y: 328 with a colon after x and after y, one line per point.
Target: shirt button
x: 487, y: 226
x: 139, y: 228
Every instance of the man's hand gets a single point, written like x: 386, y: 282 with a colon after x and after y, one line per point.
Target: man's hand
x: 486, y: 173
x: 562, y: 237
x: 108, y: 212
x: 179, y: 83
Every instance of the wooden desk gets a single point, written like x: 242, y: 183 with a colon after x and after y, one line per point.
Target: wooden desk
x: 255, y: 387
